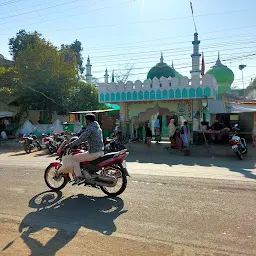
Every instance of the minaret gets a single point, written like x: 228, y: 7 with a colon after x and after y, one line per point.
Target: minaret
x: 106, y: 76
x: 113, y: 77
x: 195, y: 57
x: 88, y: 74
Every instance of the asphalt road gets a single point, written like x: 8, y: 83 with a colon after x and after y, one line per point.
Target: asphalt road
x: 156, y: 215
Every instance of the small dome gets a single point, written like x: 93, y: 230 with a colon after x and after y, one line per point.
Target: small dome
x: 222, y: 74
x: 161, y: 69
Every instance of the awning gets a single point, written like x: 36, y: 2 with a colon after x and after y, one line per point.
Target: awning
x: 92, y: 111
x: 6, y: 114
x: 220, y: 107
x: 112, y: 106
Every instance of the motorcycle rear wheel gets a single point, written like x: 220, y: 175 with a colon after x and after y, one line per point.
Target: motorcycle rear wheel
x: 59, y: 181
x: 27, y: 149
x: 120, y: 175
x: 239, y: 155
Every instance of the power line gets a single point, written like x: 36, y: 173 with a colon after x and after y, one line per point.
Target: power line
x: 228, y: 59
x: 45, y: 8
x: 149, y: 21
x: 163, y: 50
x: 49, y: 7
x: 65, y: 17
x: 172, y: 42
x: 10, y: 2
x: 168, y: 38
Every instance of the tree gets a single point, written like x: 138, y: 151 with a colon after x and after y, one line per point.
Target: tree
x: 77, y: 49
x: 124, y: 73
x: 45, y: 76
x: 8, y: 81
x: 21, y: 41
x: 84, y: 97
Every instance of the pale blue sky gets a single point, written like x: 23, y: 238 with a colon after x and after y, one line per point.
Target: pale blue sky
x: 120, y: 33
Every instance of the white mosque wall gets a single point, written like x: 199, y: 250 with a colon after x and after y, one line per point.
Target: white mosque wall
x: 159, y: 89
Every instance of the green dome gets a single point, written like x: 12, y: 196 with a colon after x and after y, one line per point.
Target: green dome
x: 161, y: 69
x: 222, y: 74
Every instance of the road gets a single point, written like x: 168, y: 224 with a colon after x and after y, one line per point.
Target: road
x: 157, y: 215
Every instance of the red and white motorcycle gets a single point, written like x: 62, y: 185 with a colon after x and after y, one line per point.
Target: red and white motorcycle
x: 108, y: 173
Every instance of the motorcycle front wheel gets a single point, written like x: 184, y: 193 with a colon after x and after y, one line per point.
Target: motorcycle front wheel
x: 53, y: 180
x: 121, y: 185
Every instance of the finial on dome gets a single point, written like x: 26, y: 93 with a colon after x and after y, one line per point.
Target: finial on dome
x: 172, y: 64
x: 218, y: 60
x: 162, y: 58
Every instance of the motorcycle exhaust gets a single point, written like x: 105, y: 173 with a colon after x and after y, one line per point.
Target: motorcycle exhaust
x: 105, y: 181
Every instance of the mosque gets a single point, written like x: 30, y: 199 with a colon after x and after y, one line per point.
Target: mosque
x: 166, y: 94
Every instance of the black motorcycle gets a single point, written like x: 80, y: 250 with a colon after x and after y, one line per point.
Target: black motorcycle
x: 114, y: 144
x: 30, y: 142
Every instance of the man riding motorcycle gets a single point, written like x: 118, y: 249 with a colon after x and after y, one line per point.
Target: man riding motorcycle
x: 93, y: 135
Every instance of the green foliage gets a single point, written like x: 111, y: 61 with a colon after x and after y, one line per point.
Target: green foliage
x: 8, y: 81
x: 21, y: 41
x: 76, y: 48
x: 84, y: 97
x: 45, y: 76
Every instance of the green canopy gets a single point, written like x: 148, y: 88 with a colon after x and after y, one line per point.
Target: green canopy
x: 112, y: 106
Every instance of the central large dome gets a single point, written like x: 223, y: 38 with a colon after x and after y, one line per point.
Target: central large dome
x: 161, y: 69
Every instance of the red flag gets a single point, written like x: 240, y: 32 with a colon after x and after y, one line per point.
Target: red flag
x: 203, y: 66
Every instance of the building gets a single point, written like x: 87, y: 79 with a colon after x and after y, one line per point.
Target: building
x: 166, y: 94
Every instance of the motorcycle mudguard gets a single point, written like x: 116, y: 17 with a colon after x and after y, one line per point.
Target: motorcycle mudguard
x: 55, y: 164
x: 243, y: 141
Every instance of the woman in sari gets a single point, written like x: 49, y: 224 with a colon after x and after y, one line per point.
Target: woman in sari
x: 185, y: 134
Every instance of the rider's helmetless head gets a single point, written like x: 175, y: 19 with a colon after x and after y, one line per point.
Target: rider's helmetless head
x: 90, y: 118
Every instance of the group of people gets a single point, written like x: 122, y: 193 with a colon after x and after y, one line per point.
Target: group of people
x: 184, y: 133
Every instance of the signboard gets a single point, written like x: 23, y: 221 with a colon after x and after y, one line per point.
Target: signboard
x: 181, y: 107
x: 108, y: 123
x: 71, y: 118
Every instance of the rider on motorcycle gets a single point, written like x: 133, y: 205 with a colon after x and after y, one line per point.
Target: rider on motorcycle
x: 93, y: 135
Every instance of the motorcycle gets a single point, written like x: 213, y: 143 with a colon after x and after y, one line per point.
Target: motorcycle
x: 30, y: 142
x: 238, y: 144
x: 107, y: 173
x: 113, y: 145
x: 53, y: 142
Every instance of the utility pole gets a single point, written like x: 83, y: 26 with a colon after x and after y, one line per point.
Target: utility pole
x: 241, y: 67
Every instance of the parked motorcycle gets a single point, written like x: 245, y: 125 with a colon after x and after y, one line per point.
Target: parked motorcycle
x: 30, y: 142
x: 113, y: 145
x: 108, y: 173
x: 238, y: 144
x: 53, y: 142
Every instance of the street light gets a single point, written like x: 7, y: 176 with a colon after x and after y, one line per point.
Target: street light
x: 241, y: 67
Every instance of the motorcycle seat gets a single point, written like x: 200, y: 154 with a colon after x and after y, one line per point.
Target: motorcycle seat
x: 103, y: 158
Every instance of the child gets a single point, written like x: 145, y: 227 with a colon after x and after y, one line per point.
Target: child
x: 148, y: 136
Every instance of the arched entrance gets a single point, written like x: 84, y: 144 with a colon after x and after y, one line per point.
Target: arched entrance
x: 149, y: 116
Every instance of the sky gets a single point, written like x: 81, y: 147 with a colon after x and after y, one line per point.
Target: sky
x: 124, y: 34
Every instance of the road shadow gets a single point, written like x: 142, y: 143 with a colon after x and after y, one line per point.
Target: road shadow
x: 19, y: 154
x: 67, y: 216
x: 217, y: 156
